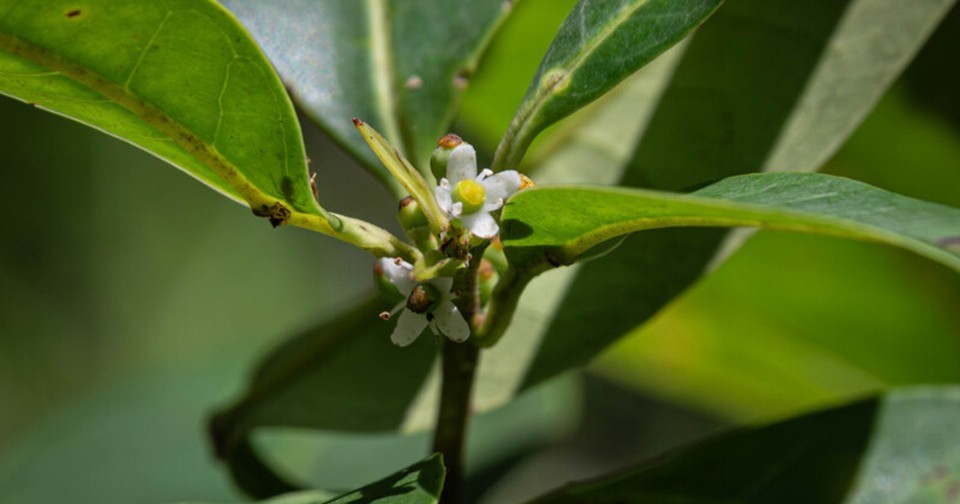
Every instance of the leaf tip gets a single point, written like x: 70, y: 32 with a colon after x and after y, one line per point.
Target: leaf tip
x: 358, y: 123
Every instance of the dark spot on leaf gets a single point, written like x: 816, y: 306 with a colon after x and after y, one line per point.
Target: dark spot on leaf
x: 74, y: 13
x: 552, y: 260
x: 951, y: 243
x: 276, y: 214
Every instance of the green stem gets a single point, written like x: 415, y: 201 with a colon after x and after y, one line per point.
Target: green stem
x: 502, y: 306
x: 459, y: 367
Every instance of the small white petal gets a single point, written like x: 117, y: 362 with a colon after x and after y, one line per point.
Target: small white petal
x: 502, y: 185
x: 456, y: 209
x: 481, y: 224
x: 490, y: 206
x: 398, y: 272
x: 409, y: 326
x: 448, y: 319
x: 484, y: 173
x: 443, y: 285
x: 462, y: 164
x: 444, y: 196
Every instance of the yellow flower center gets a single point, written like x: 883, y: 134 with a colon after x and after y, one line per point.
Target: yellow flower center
x: 471, y: 193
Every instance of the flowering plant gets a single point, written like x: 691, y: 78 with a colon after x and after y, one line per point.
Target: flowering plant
x: 649, y: 129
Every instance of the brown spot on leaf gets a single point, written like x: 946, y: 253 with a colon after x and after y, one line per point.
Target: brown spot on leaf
x: 276, y: 214
x: 74, y: 13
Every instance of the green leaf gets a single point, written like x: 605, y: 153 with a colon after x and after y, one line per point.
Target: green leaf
x: 556, y: 225
x: 581, y: 218
x: 180, y: 79
x: 599, y: 44
x: 399, y: 65
x: 734, y: 106
x: 418, y: 484
x: 896, y: 448
x: 316, y: 380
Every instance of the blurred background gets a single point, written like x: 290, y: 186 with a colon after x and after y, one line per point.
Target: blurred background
x: 133, y: 301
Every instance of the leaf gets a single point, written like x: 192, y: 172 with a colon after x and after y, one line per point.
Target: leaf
x: 419, y: 483
x: 400, y: 65
x: 343, y: 375
x: 599, y: 44
x: 403, y: 172
x: 182, y: 80
x: 901, y: 447
x: 556, y: 225
x: 732, y: 107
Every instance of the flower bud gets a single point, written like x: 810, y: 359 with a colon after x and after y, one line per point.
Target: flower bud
x: 410, y: 215
x: 415, y: 224
x: 438, y: 161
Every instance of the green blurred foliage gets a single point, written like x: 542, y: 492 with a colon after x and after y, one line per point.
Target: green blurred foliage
x: 757, y: 339
x: 133, y: 301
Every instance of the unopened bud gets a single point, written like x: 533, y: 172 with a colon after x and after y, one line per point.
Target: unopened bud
x: 438, y: 161
x: 410, y: 215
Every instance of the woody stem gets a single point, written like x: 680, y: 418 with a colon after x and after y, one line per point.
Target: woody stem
x: 459, y: 367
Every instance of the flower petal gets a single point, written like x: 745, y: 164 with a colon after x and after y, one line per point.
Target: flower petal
x: 451, y: 323
x: 481, y: 224
x: 462, y: 164
x: 501, y: 185
x: 444, y: 195
x: 398, y: 272
x: 409, y: 326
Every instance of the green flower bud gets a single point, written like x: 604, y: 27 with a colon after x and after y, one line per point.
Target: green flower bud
x: 415, y: 224
x: 438, y: 161
x: 410, y: 215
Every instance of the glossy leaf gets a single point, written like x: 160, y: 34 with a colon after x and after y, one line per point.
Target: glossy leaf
x: 599, y: 44
x: 896, y: 448
x: 557, y: 225
x: 124, y: 66
x: 400, y: 65
x: 712, y: 123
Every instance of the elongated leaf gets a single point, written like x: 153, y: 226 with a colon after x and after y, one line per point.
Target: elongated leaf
x: 713, y: 122
x: 180, y: 79
x: 557, y: 225
x: 900, y: 447
x: 400, y: 65
x: 581, y: 218
x: 599, y: 44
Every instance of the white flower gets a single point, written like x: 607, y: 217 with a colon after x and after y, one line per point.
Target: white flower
x: 470, y: 197
x: 428, y: 304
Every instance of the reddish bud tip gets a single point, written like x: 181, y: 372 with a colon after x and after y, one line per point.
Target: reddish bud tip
x: 357, y: 122
x: 449, y: 141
